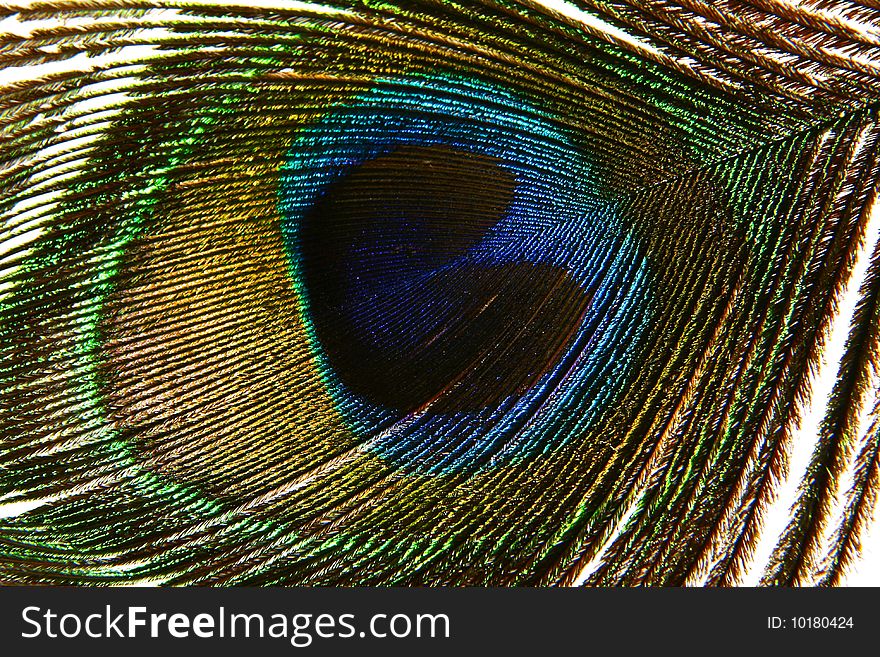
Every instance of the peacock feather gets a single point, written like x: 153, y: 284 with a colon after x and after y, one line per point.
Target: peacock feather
x: 423, y: 292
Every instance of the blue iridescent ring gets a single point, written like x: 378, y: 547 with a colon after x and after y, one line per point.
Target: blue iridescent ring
x: 377, y: 276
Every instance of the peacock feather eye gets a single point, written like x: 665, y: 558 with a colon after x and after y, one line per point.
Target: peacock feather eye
x: 460, y: 277
x: 429, y: 293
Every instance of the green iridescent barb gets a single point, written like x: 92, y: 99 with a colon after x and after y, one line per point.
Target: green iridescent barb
x: 489, y: 292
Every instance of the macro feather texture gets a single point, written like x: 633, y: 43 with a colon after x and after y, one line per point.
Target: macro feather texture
x: 472, y: 292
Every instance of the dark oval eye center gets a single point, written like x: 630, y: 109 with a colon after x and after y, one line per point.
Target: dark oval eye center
x: 405, y: 312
